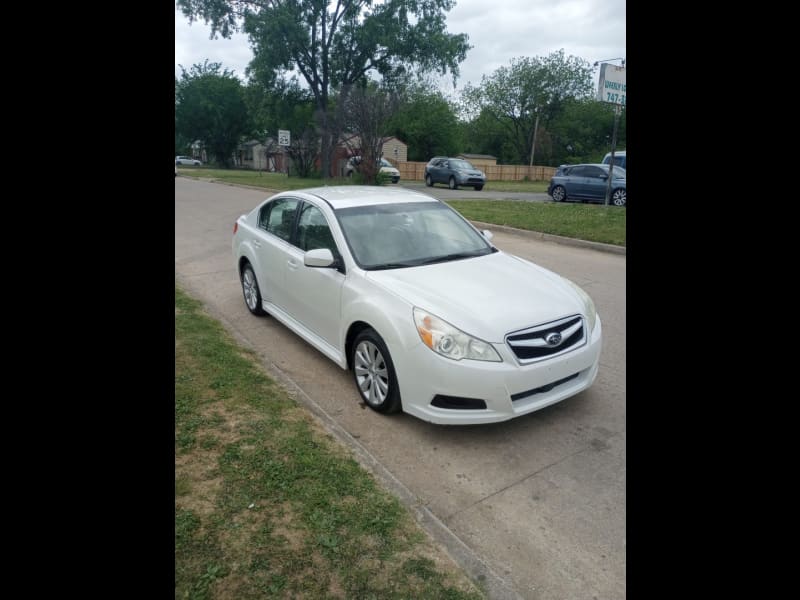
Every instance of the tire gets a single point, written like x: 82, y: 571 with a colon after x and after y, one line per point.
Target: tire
x: 373, y: 372
x: 619, y: 197
x: 251, y: 292
x: 428, y: 180
x: 478, y: 188
x: 452, y: 183
x: 395, y: 180
x: 559, y: 194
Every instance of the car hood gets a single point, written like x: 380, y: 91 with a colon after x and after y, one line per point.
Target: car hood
x: 390, y: 170
x: 487, y: 296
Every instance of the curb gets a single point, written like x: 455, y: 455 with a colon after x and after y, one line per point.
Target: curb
x: 536, y: 235
x: 549, y: 237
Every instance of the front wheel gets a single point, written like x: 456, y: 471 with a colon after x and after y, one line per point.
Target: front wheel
x: 428, y: 181
x: 478, y: 188
x: 452, y: 183
x: 252, y: 295
x: 559, y: 194
x: 374, y: 374
x: 619, y: 197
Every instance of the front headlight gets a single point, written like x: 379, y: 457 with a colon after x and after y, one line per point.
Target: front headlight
x: 444, y: 339
x: 591, y: 311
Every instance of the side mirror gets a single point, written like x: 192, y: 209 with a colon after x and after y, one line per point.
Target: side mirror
x: 487, y: 234
x: 319, y: 257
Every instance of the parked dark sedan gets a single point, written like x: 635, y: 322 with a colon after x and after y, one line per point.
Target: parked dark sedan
x: 453, y: 172
x: 588, y: 183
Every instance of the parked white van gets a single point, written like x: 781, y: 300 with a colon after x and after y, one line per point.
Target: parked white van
x: 619, y: 159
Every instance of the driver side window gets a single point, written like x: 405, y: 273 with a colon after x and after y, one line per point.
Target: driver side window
x: 313, y: 231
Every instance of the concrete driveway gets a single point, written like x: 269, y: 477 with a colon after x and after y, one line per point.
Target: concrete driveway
x: 537, y: 502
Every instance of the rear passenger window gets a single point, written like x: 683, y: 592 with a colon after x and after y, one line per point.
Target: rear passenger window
x: 278, y: 217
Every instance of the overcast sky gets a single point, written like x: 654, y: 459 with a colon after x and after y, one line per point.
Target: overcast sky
x: 498, y: 30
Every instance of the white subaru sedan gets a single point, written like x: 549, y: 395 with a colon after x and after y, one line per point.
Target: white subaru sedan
x: 431, y: 318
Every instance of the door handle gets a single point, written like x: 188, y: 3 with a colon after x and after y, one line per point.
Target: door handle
x: 256, y: 243
x: 292, y: 264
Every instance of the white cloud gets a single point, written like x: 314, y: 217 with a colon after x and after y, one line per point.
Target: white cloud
x: 498, y: 31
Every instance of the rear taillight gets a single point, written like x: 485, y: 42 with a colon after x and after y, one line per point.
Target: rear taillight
x: 235, y: 226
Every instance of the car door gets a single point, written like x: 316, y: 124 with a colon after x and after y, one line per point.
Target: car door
x: 314, y: 293
x: 594, y: 185
x: 275, y: 227
x: 442, y: 171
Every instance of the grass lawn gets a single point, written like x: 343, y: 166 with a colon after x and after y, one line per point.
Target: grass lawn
x: 275, y: 181
x: 590, y: 222
x: 279, y: 181
x: 583, y: 221
x: 267, y: 504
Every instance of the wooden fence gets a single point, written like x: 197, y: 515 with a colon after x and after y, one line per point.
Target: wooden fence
x: 415, y: 171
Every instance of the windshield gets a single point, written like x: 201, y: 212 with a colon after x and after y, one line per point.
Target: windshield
x: 460, y: 165
x: 389, y: 236
x: 385, y: 163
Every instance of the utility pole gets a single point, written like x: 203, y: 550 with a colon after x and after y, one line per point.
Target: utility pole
x: 535, y: 129
x: 617, y: 111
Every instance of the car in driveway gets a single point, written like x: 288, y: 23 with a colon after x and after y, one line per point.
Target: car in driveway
x: 187, y: 160
x: 430, y: 317
x: 588, y: 183
x: 454, y: 172
x: 386, y: 168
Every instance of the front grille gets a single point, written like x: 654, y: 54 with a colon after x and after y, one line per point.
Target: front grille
x: 542, y: 389
x: 548, y: 339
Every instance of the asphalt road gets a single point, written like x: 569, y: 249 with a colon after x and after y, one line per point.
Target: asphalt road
x: 540, y: 500
x: 467, y: 193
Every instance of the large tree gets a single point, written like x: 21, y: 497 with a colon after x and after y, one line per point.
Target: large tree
x: 582, y: 132
x: 368, y: 110
x: 333, y: 44
x: 427, y: 122
x: 530, y: 88
x: 210, y: 107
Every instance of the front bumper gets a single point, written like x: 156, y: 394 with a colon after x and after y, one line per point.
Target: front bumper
x: 423, y: 375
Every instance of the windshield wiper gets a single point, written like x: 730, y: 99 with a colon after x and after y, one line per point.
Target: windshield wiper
x: 454, y: 256
x: 384, y: 266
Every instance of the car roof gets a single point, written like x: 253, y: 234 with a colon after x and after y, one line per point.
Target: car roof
x: 346, y: 196
x: 601, y: 165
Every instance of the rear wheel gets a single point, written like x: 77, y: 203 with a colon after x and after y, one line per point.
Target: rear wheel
x: 452, y: 183
x: 559, y: 194
x: 428, y: 180
x: 619, y: 197
x: 252, y: 295
x: 374, y: 374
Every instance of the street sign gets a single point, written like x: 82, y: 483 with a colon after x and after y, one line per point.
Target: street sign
x: 612, y: 87
x: 284, y: 137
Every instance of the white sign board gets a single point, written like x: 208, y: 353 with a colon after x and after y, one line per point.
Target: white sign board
x: 284, y: 137
x: 612, y: 87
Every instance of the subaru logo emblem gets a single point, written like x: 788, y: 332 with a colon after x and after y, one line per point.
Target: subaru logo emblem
x: 553, y: 338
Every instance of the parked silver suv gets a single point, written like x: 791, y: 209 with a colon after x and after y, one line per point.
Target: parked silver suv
x: 454, y: 172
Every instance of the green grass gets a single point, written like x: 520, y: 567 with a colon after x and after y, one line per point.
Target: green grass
x: 279, y: 181
x: 274, y: 181
x: 269, y: 505
x: 583, y: 221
